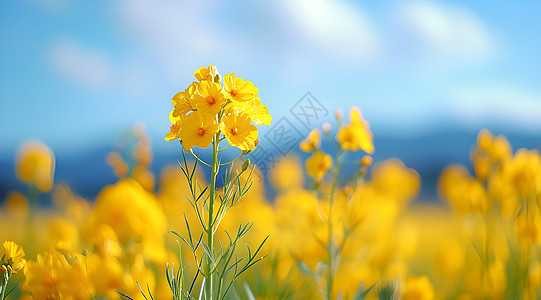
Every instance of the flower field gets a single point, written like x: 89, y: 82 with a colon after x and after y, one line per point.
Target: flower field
x: 181, y: 234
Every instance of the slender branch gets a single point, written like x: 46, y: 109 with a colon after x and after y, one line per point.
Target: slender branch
x: 231, y: 161
x: 199, y: 159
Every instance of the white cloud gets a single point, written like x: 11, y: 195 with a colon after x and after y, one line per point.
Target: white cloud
x: 443, y: 31
x: 80, y: 64
x: 497, y: 104
x: 176, y: 32
x: 335, y: 26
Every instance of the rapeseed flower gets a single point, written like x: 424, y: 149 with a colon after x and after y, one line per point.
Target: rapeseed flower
x: 237, y: 89
x: 355, y: 135
x: 35, y: 165
x: 312, y: 142
x: 52, y: 276
x: 318, y: 164
x: 210, y: 74
x: 13, y: 256
x: 238, y: 131
x: 182, y: 101
x: 208, y: 98
x: 197, y: 129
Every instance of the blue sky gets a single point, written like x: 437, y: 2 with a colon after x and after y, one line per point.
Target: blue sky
x: 74, y: 74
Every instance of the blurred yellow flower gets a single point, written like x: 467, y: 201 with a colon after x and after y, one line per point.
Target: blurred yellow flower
x: 197, y: 129
x: 355, y: 135
x: 16, y: 204
x: 209, y: 73
x: 51, y: 276
x: 239, y: 131
x: 35, y: 165
x: 208, y: 98
x: 134, y: 215
x: 318, y: 164
x: 237, y: 89
x: 14, y: 256
x: 312, y: 142
x: 527, y: 230
x: 287, y: 174
x: 418, y: 288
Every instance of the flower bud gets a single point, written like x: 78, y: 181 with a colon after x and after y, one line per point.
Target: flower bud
x: 366, y: 161
x: 338, y: 113
x: 245, y: 165
x: 327, y: 127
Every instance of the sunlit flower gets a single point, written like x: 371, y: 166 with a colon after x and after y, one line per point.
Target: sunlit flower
x: 174, y: 130
x: 237, y: 89
x: 51, y: 276
x: 356, y: 135
x: 239, y: 131
x: 14, y: 256
x: 182, y: 101
x: 132, y: 213
x: 208, y: 98
x: 318, y: 164
x: 197, y: 129
x: 210, y: 73
x: 312, y: 142
x: 35, y: 165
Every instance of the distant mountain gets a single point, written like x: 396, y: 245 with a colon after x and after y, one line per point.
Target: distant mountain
x: 86, y: 172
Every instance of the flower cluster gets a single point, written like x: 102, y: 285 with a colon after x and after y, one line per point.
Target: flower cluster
x: 12, y: 262
x: 206, y: 108
x: 501, y: 203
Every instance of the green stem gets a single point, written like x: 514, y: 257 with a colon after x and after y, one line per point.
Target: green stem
x: 4, y: 287
x: 210, y: 227
x: 330, y: 245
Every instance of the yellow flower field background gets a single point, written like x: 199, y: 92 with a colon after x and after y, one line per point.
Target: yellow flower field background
x: 270, y: 149
x: 321, y: 237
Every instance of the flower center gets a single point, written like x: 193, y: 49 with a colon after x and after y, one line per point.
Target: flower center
x: 233, y: 93
x: 234, y: 131
x: 211, y: 100
x: 201, y: 131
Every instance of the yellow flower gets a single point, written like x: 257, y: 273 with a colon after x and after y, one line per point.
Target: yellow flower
x: 197, y: 130
x: 418, y: 288
x: 239, y: 131
x: 16, y: 204
x: 35, y: 165
x: 356, y: 135
x: 132, y: 213
x: 312, y: 142
x: 174, y: 130
x: 237, y: 89
x: 52, y: 276
x: 526, y: 230
x: 318, y: 164
x: 257, y: 112
x: 182, y: 101
x: 209, y: 73
x: 13, y: 255
x: 209, y: 98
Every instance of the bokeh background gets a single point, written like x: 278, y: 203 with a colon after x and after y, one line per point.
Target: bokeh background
x: 427, y: 75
